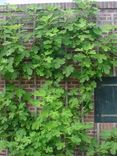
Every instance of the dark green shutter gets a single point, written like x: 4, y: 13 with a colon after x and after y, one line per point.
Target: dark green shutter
x: 106, y: 100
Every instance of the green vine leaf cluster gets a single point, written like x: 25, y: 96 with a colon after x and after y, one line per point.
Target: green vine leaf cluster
x: 12, y: 52
x: 13, y: 111
x: 107, y: 147
x: 61, y: 40
x: 65, y: 44
x: 56, y: 130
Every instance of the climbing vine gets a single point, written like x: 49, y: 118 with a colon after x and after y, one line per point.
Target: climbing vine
x: 107, y: 147
x: 65, y: 44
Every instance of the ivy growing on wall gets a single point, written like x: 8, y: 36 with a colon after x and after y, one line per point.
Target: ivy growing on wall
x: 107, y: 147
x: 66, y: 44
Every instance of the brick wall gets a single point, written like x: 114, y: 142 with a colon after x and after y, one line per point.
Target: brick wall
x: 106, y: 15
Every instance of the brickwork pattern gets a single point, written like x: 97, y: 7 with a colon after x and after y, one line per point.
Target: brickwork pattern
x: 106, y: 15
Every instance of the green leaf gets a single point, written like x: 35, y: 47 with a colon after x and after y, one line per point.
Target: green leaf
x: 76, y: 140
x: 58, y: 63
x: 68, y: 70
x: 113, y: 149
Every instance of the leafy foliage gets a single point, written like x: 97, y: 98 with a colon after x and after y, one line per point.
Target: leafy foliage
x: 57, y: 127
x: 15, y: 118
x: 108, y: 144
x: 12, y: 52
x: 65, y: 44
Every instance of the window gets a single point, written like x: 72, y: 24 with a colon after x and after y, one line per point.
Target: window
x: 106, y: 100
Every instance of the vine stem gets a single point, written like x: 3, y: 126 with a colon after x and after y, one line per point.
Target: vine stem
x: 4, y: 89
x: 66, y: 105
x: 35, y: 79
x: 82, y: 115
x: 66, y: 89
x: 35, y: 87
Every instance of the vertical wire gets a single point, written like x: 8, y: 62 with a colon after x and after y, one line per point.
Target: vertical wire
x: 98, y: 132
x: 35, y: 87
x: 98, y: 126
x: 112, y: 17
x: 66, y: 97
x: 21, y: 42
x: 114, y: 68
x: 5, y: 18
x: 66, y: 87
x: 82, y: 117
x: 35, y: 78
x: 4, y: 90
